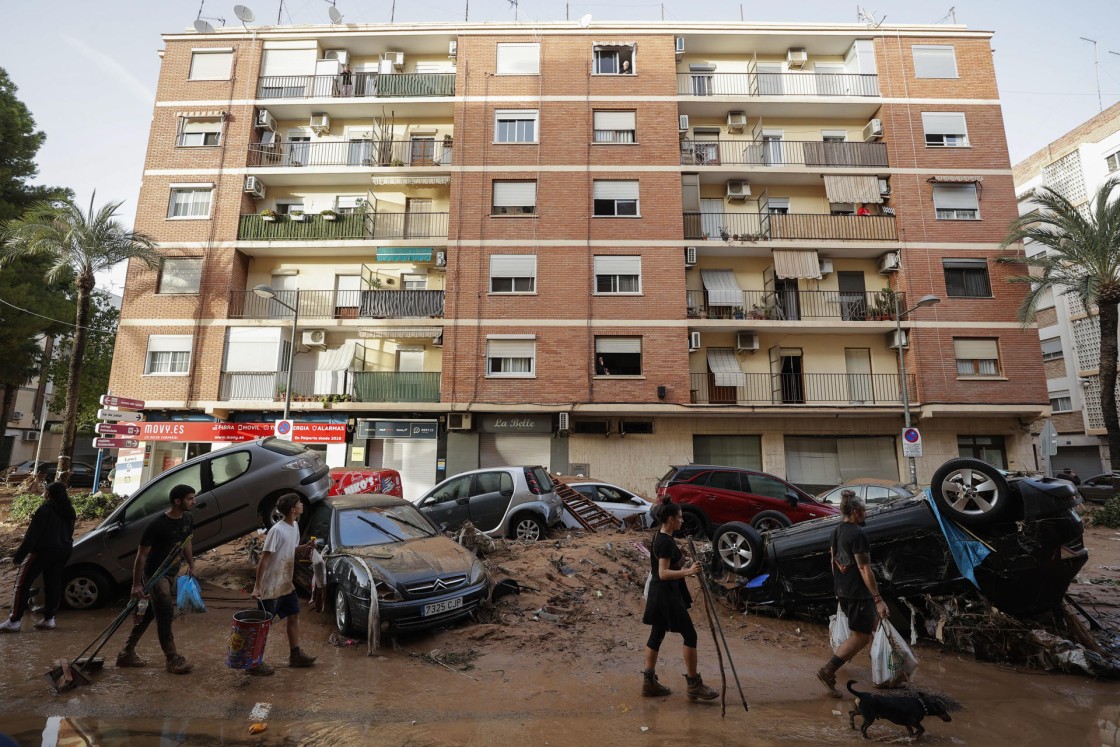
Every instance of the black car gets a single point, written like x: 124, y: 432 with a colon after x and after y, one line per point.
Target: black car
x: 422, y: 578
x: 1029, y: 524
x: 81, y: 474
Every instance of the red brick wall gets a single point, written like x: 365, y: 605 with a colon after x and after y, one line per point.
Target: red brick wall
x: 895, y: 61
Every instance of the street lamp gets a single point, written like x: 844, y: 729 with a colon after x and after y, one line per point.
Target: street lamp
x: 266, y: 291
x: 922, y: 303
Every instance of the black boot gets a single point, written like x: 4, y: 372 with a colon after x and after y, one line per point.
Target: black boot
x: 697, y: 689
x: 651, y: 688
x: 827, y: 675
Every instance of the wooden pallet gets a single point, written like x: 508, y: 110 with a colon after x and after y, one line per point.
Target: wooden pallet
x: 589, y: 514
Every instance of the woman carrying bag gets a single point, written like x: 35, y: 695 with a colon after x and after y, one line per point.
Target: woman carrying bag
x: 45, y: 549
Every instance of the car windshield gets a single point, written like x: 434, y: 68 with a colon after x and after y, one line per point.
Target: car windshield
x: 381, y: 525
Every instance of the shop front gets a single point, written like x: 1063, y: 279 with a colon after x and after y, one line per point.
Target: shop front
x: 516, y: 440
x: 411, y: 447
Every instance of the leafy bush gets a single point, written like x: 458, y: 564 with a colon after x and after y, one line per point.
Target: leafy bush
x: 1107, y: 515
x: 86, y: 506
x: 23, y: 507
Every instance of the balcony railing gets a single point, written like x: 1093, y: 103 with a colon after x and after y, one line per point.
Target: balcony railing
x: 364, y: 226
x: 740, y: 226
x: 358, y: 85
x: 803, y: 389
x: 337, y: 304
x: 782, y: 153
x: 395, y: 386
x: 776, y: 84
x: 366, y: 153
x: 844, y: 306
x: 363, y: 386
x: 756, y: 226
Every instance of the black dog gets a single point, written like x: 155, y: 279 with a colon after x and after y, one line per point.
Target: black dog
x: 904, y: 710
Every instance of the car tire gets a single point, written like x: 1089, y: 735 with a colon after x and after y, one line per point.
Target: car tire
x: 693, y: 522
x: 268, y: 515
x: 737, y: 547
x: 86, y: 588
x: 526, y: 528
x: 765, y: 521
x: 971, y: 492
x: 343, y: 620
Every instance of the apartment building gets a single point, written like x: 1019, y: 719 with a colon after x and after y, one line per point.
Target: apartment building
x: 605, y: 249
x: 1075, y: 166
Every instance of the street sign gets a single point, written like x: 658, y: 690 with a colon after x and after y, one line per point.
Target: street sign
x: 114, y: 416
x: 911, y: 442
x: 115, y: 443
x: 1048, y: 439
x: 111, y: 400
x: 124, y: 429
x: 283, y: 429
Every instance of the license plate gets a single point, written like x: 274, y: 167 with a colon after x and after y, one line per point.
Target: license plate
x: 445, y: 606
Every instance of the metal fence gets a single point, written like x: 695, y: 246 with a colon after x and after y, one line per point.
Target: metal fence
x: 783, y: 153
x: 396, y: 386
x: 368, y: 153
x: 795, y: 305
x: 838, y: 227
x: 776, y: 84
x: 311, y: 227
x: 356, y: 85
x: 363, y: 386
x: 338, y: 304
x: 802, y: 389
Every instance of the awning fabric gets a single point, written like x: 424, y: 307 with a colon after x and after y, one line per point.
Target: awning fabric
x: 723, y: 289
x: 404, y: 254
x: 955, y: 179
x: 863, y: 189
x: 725, y: 367
x: 402, y: 332
x: 797, y: 263
x: 415, y: 181
x: 338, y: 359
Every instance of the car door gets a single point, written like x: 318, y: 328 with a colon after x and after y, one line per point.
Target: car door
x: 491, y: 494
x: 447, y: 503
x: 877, y: 495
x: 723, y: 497
x: 1097, y: 489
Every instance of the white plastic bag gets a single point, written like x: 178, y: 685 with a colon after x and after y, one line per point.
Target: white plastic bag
x: 838, y: 630
x: 892, y: 662
x: 645, y: 591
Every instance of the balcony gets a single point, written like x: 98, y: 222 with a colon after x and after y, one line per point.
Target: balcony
x: 803, y: 389
x: 366, y: 153
x: 362, y: 386
x: 779, y: 153
x: 396, y: 386
x: 776, y: 226
x: 362, y: 85
x: 828, y: 305
x: 361, y: 226
x: 776, y: 84
x: 332, y: 304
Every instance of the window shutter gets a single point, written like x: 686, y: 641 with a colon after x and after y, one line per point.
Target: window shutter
x: 169, y: 343
x: 934, y: 61
x: 344, y: 283
x: 511, y: 348
x: 519, y: 59
x: 253, y: 348
x: 614, y: 120
x: 614, y: 265
x: 955, y: 197
x: 288, y: 62
x: 618, y: 345
x: 207, y: 65
x: 513, y: 266
x: 515, y: 194
x: 1052, y: 346
x: 965, y: 264
x: 944, y: 123
x: 976, y: 349
x: 180, y: 275
x: 615, y: 190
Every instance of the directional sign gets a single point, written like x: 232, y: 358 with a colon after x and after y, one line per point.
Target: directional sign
x: 124, y: 429
x: 283, y: 429
x: 114, y: 416
x: 111, y: 400
x: 115, y: 443
x: 911, y: 442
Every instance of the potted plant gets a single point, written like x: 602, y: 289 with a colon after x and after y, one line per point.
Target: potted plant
x: 297, y: 216
x: 268, y: 216
x: 280, y: 390
x: 887, y: 302
x: 758, y: 312
x: 375, y: 284
x: 329, y: 215
x: 737, y: 312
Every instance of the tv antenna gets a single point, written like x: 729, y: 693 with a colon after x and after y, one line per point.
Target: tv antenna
x: 202, y: 23
x: 868, y: 17
x: 244, y: 14
x: 333, y: 12
x: 513, y: 4
x: 951, y: 15
x: 1097, y: 70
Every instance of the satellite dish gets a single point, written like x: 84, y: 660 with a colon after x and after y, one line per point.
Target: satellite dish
x: 203, y: 27
x: 244, y: 14
x: 585, y: 20
x: 336, y: 17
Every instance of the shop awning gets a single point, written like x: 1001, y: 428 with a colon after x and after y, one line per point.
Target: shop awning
x: 401, y: 332
x: 404, y: 254
x: 725, y: 367
x: 723, y: 289
x: 863, y: 189
x: 797, y: 263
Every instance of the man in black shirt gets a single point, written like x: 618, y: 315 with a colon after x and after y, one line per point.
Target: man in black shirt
x: 160, y: 538
x: 854, y: 582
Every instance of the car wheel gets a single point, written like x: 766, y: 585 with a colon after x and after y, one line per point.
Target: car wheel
x: 738, y: 548
x: 527, y: 528
x: 693, y: 523
x: 342, y: 619
x: 971, y: 492
x: 767, y: 520
x: 268, y: 514
x: 86, y: 589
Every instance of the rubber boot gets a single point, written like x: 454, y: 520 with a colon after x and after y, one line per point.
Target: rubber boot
x: 827, y: 676
x: 651, y: 688
x: 697, y: 690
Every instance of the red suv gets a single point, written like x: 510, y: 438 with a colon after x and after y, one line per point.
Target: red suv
x: 711, y: 495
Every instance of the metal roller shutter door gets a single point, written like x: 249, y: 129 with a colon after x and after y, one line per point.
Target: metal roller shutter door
x: 511, y: 449
x: 415, y: 460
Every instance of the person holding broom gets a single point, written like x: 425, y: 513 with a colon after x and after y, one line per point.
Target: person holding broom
x: 667, y: 607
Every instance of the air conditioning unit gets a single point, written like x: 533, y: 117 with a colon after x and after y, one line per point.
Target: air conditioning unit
x: 889, y: 262
x: 452, y: 49
x: 441, y: 259
x: 31, y: 435
x: 342, y: 55
x: 562, y: 422
x: 738, y: 189
x: 458, y: 421
x: 679, y: 49
x: 746, y: 342
x: 314, y: 338
x: 690, y: 256
x: 15, y: 417
x: 796, y: 57
x: 895, y: 336
x: 321, y: 123
x: 736, y: 121
x: 265, y: 120
x: 826, y: 267
x: 693, y: 342
x: 884, y: 187
x: 873, y: 130
x: 254, y: 187
x: 682, y: 124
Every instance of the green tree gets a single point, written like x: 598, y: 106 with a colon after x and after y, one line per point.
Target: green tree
x: 78, y: 245
x: 1082, y: 257
x: 95, y: 367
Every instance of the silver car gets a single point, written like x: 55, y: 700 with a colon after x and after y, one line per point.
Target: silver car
x: 236, y: 491
x: 516, y: 502
x: 620, y: 502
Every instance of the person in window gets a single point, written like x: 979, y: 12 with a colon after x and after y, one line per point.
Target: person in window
x: 601, y: 367
x: 625, y: 68
x: 863, y: 210
x: 45, y: 549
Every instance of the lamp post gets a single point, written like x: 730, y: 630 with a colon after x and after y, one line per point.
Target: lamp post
x: 922, y: 303
x: 266, y: 291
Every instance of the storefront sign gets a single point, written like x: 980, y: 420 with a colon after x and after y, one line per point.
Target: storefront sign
x: 516, y: 424
x: 129, y: 469
x: 423, y: 429
x: 218, y: 432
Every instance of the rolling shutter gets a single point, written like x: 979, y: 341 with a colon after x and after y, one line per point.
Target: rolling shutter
x: 516, y: 449
x: 955, y: 197
x: 211, y: 64
x: 631, y: 345
x: 943, y: 123
x: 513, y: 266
x: 252, y: 349
x: 614, y: 120
x: 519, y: 59
x: 515, y: 194
x: 976, y: 349
x: 288, y: 62
x: 414, y: 459
x: 618, y: 265
x: 615, y: 189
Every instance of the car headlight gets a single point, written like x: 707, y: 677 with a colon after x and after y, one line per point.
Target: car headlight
x: 478, y: 572
x: 387, y: 593
x: 301, y: 464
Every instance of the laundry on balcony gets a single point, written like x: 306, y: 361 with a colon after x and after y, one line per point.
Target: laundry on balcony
x: 797, y: 263
x: 404, y: 254
x: 725, y: 367
x: 401, y: 332
x: 864, y: 189
x: 723, y: 289
x: 332, y: 369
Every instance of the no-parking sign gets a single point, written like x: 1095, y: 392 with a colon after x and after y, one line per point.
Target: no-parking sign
x: 911, y: 442
x: 283, y: 429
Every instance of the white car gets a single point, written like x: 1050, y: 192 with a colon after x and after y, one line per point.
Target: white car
x: 619, y: 501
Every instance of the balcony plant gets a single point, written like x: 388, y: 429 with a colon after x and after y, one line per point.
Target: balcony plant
x: 268, y: 216
x: 886, y: 302
x: 329, y: 215
x: 297, y: 216
x: 738, y: 313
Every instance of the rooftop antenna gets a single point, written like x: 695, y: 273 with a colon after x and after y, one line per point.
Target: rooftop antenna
x: 868, y: 17
x: 244, y: 14
x: 952, y: 14
x: 513, y: 4
x: 333, y: 12
x: 585, y: 20
x: 1097, y: 68
x: 201, y: 22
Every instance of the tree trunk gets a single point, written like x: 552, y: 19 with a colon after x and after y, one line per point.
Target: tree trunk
x: 74, y: 377
x: 1108, y: 322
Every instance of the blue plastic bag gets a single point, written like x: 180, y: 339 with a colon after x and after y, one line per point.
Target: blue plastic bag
x: 189, y: 596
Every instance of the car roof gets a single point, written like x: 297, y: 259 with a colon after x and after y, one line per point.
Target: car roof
x: 364, y: 500
x: 874, y: 481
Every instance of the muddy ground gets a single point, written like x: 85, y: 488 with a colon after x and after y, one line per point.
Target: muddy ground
x: 569, y: 676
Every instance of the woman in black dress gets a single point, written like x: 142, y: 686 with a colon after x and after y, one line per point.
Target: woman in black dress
x: 667, y: 606
x: 45, y: 550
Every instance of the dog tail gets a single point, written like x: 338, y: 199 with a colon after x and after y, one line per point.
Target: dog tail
x: 853, y: 692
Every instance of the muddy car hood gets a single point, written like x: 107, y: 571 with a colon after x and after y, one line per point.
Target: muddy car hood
x: 427, y: 557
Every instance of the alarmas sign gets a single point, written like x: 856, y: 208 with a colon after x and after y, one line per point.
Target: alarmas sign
x: 316, y: 433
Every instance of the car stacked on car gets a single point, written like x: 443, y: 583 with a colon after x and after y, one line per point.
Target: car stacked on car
x: 515, y: 502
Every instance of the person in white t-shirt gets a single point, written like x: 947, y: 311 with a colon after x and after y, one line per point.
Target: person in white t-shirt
x: 274, y: 586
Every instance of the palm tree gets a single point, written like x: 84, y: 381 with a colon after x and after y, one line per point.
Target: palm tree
x: 77, y: 245
x: 1082, y: 257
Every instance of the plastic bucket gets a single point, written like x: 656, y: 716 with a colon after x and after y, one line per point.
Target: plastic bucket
x: 247, y: 638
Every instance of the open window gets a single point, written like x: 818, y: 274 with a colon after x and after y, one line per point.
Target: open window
x: 614, y: 59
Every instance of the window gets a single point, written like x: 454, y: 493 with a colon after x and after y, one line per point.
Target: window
x: 768, y: 486
x: 348, y: 204
x: 180, y: 275
x: 211, y: 64
x: 229, y: 467
x: 514, y: 198
x: 615, y: 198
x: 190, y: 201
x: 414, y: 282
x: 945, y: 129
x: 513, y: 273
x: 196, y: 131
x: 723, y: 481
x: 1113, y: 162
x: 511, y: 357
x: 934, y: 61
x: 519, y: 59
x: 1061, y: 402
x: 777, y: 205
x: 618, y: 274
x: 168, y: 355
x: 614, y: 60
x: 988, y: 449
x: 841, y: 208
x: 157, y: 495
x: 1052, y: 349
x: 967, y: 278
x: 956, y: 202
x: 977, y: 356
x: 614, y: 127
x: 618, y: 356
x: 734, y: 451
x: 515, y: 125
